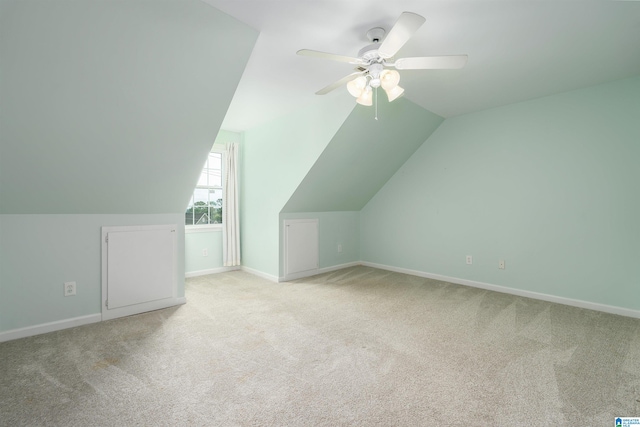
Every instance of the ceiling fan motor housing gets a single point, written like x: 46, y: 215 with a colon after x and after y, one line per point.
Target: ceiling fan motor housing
x: 374, y: 71
x: 376, y: 34
x: 369, y: 53
x: 376, y: 65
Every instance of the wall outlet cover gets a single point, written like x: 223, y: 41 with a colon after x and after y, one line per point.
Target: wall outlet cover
x: 69, y: 289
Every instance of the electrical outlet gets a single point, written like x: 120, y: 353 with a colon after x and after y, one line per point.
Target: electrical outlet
x: 339, y: 247
x: 205, y: 252
x: 469, y: 259
x: 501, y: 264
x: 69, y: 289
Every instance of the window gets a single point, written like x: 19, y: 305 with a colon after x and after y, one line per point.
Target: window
x: 205, y: 206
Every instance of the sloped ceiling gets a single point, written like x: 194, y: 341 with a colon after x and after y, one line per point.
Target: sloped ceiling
x: 518, y: 50
x: 362, y: 156
x: 111, y: 107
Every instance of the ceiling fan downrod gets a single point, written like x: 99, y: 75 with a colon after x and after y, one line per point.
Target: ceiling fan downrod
x: 377, y: 65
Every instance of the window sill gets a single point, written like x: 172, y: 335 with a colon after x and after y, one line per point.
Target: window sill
x: 188, y: 229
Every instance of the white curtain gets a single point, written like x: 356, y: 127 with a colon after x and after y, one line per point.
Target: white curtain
x: 230, y: 216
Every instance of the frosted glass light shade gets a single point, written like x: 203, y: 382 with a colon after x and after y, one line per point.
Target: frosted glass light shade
x: 366, y: 98
x: 389, y: 79
x: 394, y: 93
x: 356, y: 86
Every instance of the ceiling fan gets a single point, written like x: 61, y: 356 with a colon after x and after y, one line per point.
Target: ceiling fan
x: 375, y: 62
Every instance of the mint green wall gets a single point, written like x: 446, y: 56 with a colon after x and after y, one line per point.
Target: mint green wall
x: 549, y: 185
x: 211, y: 240
x: 362, y: 156
x: 107, y: 112
x: 274, y: 158
x: 195, y: 243
x: 225, y: 136
x: 334, y: 228
x: 38, y: 253
x: 111, y: 106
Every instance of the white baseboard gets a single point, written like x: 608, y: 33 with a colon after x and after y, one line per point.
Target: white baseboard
x: 317, y: 271
x: 506, y: 290
x: 49, y: 327
x: 259, y: 274
x: 59, y: 325
x: 145, y: 307
x: 94, y: 318
x: 209, y: 271
x: 249, y: 270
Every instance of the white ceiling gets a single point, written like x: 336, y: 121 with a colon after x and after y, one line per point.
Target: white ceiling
x: 518, y: 50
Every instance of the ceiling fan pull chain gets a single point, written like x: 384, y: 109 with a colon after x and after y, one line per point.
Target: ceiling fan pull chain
x: 375, y: 60
x: 376, y: 96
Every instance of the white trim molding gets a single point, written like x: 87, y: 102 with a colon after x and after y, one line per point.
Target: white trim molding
x: 94, y: 318
x: 506, y: 290
x: 317, y: 271
x: 299, y: 275
x: 209, y: 271
x: 44, y: 328
x: 260, y: 274
x: 209, y: 228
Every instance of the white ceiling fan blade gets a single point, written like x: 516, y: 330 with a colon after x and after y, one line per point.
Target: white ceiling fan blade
x: 432, y: 62
x: 342, y: 81
x: 331, y: 56
x: 405, y: 27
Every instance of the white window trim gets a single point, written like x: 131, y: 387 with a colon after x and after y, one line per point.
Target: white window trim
x: 204, y: 228
x: 208, y: 228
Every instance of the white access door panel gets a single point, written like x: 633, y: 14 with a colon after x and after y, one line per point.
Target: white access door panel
x: 139, y: 265
x: 300, y: 246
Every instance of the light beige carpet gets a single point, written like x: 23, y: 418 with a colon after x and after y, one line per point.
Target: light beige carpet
x: 356, y: 347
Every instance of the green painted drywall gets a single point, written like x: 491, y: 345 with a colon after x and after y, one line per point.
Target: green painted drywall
x: 334, y: 228
x: 274, y: 158
x: 362, y: 156
x: 111, y: 106
x: 38, y: 253
x: 548, y: 185
x: 211, y: 240
x: 225, y: 136
x: 107, y: 111
x: 194, y: 243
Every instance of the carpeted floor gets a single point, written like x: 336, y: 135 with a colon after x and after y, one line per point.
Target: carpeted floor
x: 356, y: 347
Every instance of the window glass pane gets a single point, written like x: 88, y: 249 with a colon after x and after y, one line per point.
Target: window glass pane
x: 200, y: 206
x: 190, y: 205
x: 202, y: 217
x: 215, y: 161
x: 215, y: 178
x: 202, y: 180
x: 188, y: 216
x: 205, y: 207
x: 201, y: 196
x: 215, y: 202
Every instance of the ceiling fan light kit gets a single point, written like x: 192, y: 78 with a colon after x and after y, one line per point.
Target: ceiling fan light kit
x: 390, y: 79
x: 395, y: 93
x: 357, y: 85
x: 375, y: 65
x: 366, y: 97
x: 387, y: 79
